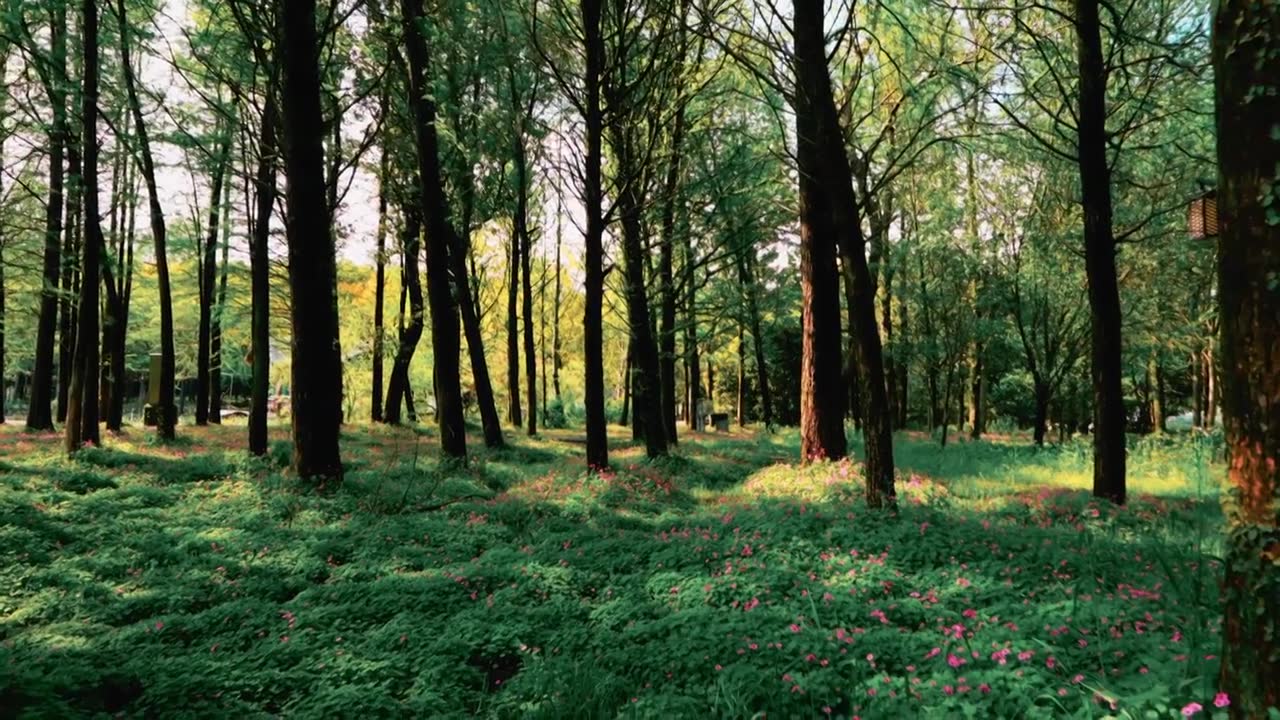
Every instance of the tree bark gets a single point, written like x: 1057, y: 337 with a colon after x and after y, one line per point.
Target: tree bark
x: 435, y: 211
x: 748, y: 270
x: 1100, y: 259
x: 82, y: 403
x: 526, y: 272
x: 693, y: 390
x: 513, y: 334
x: 215, y: 329
x: 166, y: 414
x: 380, y: 278
x: 316, y: 390
x: 1246, y: 47
x: 40, y: 411
x: 71, y: 260
x: 208, y: 277
x: 411, y: 333
x: 260, y: 276
x: 822, y: 387
x: 646, y: 383
x: 666, y: 272
x: 831, y: 161
x: 593, y: 242
x: 1042, y: 398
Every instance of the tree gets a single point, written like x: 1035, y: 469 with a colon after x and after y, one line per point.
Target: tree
x: 1100, y: 258
x: 82, y: 408
x: 1246, y: 49
x: 410, y: 284
x: 167, y: 412
x: 53, y: 76
x: 208, y: 280
x: 264, y: 188
x: 316, y: 388
x: 435, y: 215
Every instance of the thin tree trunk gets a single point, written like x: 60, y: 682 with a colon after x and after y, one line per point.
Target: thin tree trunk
x: 742, y: 376
x: 316, y: 389
x: 624, y: 417
x: 1100, y: 260
x: 747, y: 277
x: 646, y: 382
x: 166, y: 414
x: 526, y: 271
x: 439, y: 237
x: 593, y: 242
x: 1246, y: 47
x: 260, y: 277
x: 208, y: 277
x: 513, y: 334
x: 1210, y: 389
x: 412, y: 332
x: 39, y: 411
x: 71, y: 260
x: 82, y: 404
x: 1197, y: 394
x: 215, y: 329
x: 380, y: 278
x: 475, y: 350
x: 666, y: 271
x: 555, y: 306
x: 694, y: 383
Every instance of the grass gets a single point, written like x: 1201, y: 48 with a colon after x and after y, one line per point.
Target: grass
x: 194, y: 581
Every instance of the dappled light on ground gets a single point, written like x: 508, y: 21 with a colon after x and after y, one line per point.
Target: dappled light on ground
x: 194, y: 580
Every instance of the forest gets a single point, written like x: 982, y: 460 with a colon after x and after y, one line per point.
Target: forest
x: 640, y: 358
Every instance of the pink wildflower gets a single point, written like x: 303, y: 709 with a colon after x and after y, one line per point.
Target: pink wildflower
x: 1221, y: 700
x: 1191, y: 709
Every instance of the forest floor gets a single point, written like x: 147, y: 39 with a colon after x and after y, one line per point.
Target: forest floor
x: 191, y: 580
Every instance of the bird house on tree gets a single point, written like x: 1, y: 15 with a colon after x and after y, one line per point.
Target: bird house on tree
x: 1202, y: 216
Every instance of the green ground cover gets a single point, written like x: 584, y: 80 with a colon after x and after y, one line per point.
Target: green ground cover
x: 193, y: 581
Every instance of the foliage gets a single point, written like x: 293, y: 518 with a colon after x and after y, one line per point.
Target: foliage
x: 718, y: 582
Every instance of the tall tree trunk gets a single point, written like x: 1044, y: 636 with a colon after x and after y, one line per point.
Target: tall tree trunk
x: 208, y: 277
x: 890, y: 350
x: 71, y: 260
x: 692, y: 361
x: 1246, y: 47
x: 439, y: 238
x: 513, y: 334
x: 380, y: 278
x: 166, y: 414
x: 316, y: 389
x: 666, y: 271
x: 411, y: 333
x: 215, y: 327
x: 264, y: 180
x: 489, y: 420
x: 747, y: 274
x: 593, y: 256
x: 82, y: 404
x: 39, y: 411
x: 1100, y: 260
x: 646, y: 383
x: 555, y: 306
x: 831, y: 161
x: 822, y: 387
x: 526, y: 271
